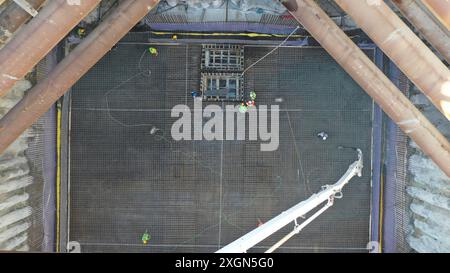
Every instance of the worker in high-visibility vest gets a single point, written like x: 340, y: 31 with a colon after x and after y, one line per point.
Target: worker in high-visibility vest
x: 153, y: 51
x: 145, y: 237
x: 250, y: 103
x: 243, y: 108
x: 252, y: 95
x: 81, y: 32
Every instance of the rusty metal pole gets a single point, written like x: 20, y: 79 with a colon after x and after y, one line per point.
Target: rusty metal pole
x: 404, y: 48
x: 425, y: 23
x: 440, y: 9
x: 38, y: 37
x: 374, y: 82
x: 13, y: 17
x: 42, y: 96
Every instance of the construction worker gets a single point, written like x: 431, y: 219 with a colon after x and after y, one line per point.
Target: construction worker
x: 243, y: 108
x: 195, y: 94
x: 81, y: 32
x: 174, y: 37
x: 145, y: 237
x: 250, y: 103
x: 153, y: 51
x: 252, y: 95
x: 322, y: 135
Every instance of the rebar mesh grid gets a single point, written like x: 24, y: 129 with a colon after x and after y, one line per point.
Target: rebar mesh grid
x: 129, y: 176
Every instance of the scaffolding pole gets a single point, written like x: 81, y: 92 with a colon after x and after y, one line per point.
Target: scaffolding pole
x: 38, y: 37
x: 44, y: 94
x: 404, y: 48
x: 396, y: 105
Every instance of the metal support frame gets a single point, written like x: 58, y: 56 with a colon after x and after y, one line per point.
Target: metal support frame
x: 221, y: 94
x: 328, y: 193
x: 404, y: 48
x: 396, y: 105
x: 222, y: 63
x: 222, y: 56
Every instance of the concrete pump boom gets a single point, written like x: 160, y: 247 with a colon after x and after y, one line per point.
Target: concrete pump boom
x: 328, y: 193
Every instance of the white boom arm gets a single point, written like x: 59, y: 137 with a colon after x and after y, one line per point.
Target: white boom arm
x: 328, y: 193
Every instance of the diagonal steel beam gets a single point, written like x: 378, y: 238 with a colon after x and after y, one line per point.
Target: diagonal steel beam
x: 13, y: 17
x: 440, y: 9
x: 425, y: 23
x: 27, y: 7
x: 40, y: 98
x: 404, y: 48
x: 372, y: 80
x: 38, y: 37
